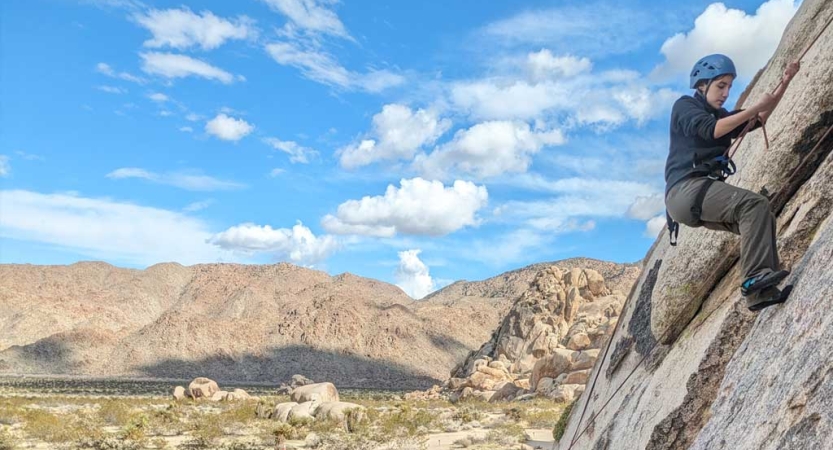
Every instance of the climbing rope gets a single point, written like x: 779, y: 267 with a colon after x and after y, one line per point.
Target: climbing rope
x: 735, y: 145
x: 729, y: 152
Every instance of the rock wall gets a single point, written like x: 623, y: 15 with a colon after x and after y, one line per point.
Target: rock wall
x: 689, y: 366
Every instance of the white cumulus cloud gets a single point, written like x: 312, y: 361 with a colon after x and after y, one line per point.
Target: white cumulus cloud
x: 749, y: 40
x: 182, y: 29
x: 297, y: 244
x: 413, y: 276
x: 646, y: 207
x: 655, y: 226
x: 297, y: 153
x: 397, y: 133
x: 228, y: 128
x: 418, y: 207
x: 170, y: 65
x: 487, y: 149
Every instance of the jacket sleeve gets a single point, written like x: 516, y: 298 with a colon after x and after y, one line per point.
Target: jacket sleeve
x: 739, y: 129
x: 692, y: 120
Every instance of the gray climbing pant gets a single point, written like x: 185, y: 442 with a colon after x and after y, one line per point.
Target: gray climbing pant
x: 730, y: 208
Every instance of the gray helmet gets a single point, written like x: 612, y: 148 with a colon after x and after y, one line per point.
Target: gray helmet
x: 710, y: 67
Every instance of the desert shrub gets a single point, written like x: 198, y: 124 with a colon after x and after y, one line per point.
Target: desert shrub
x: 561, y: 425
x: 114, y: 412
x: 406, y: 421
x: 167, y: 421
x: 50, y: 427
x: 241, y: 412
x: 7, y: 441
x: 109, y: 443
x: 351, y: 441
x: 356, y: 420
x: 506, y: 434
x: 288, y: 432
x: 467, y: 414
x: 206, y: 429
x: 240, y: 445
x: 135, y: 429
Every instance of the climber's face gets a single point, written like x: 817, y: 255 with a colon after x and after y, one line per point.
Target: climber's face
x: 719, y: 91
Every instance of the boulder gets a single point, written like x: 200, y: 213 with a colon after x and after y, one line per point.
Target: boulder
x: 576, y: 278
x: 596, y: 283
x: 523, y: 384
x: 202, y: 387
x: 305, y: 410
x: 281, y: 411
x: 498, y: 365
x: 505, y: 391
x: 584, y: 360
x: 573, y: 303
x: 219, y: 396
x: 577, y: 377
x: 551, y: 366
x: 456, y: 383
x: 483, y: 395
x: 335, y: 410
x: 566, y: 392
x: 237, y: 395
x: 300, y: 380
x: 179, y: 393
x: 321, y: 392
x: 579, y: 341
x: 544, y: 385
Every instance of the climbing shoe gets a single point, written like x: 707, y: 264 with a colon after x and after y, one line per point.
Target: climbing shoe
x: 768, y: 297
x: 759, y: 283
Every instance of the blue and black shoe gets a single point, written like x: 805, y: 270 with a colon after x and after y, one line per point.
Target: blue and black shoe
x: 759, y: 283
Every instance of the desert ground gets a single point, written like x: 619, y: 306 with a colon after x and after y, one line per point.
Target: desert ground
x: 117, y: 414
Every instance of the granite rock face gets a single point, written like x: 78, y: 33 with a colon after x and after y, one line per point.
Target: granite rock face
x: 688, y: 366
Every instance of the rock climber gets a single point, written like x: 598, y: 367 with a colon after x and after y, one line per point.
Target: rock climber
x: 696, y: 195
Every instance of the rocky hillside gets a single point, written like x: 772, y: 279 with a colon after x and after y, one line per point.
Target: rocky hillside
x: 689, y: 367
x: 244, y: 323
x: 546, y: 344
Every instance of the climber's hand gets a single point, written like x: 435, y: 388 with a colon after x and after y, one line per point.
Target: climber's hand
x: 765, y: 104
x: 790, y: 72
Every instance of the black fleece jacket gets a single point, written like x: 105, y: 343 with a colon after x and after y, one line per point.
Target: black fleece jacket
x: 692, y: 137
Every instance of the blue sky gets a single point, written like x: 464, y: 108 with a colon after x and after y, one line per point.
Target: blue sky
x: 417, y: 143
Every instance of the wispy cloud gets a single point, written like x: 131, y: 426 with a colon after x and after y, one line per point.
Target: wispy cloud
x: 108, y: 229
x: 198, y: 206
x: 112, y: 89
x: 297, y: 153
x: 312, y: 16
x: 5, y: 167
x: 106, y: 69
x: 318, y: 65
x: 182, y: 180
x: 183, y: 29
x: 170, y: 65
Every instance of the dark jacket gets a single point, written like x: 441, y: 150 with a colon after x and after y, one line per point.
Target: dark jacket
x: 692, y: 137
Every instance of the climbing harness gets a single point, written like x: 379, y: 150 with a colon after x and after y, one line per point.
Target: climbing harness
x: 728, y: 154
